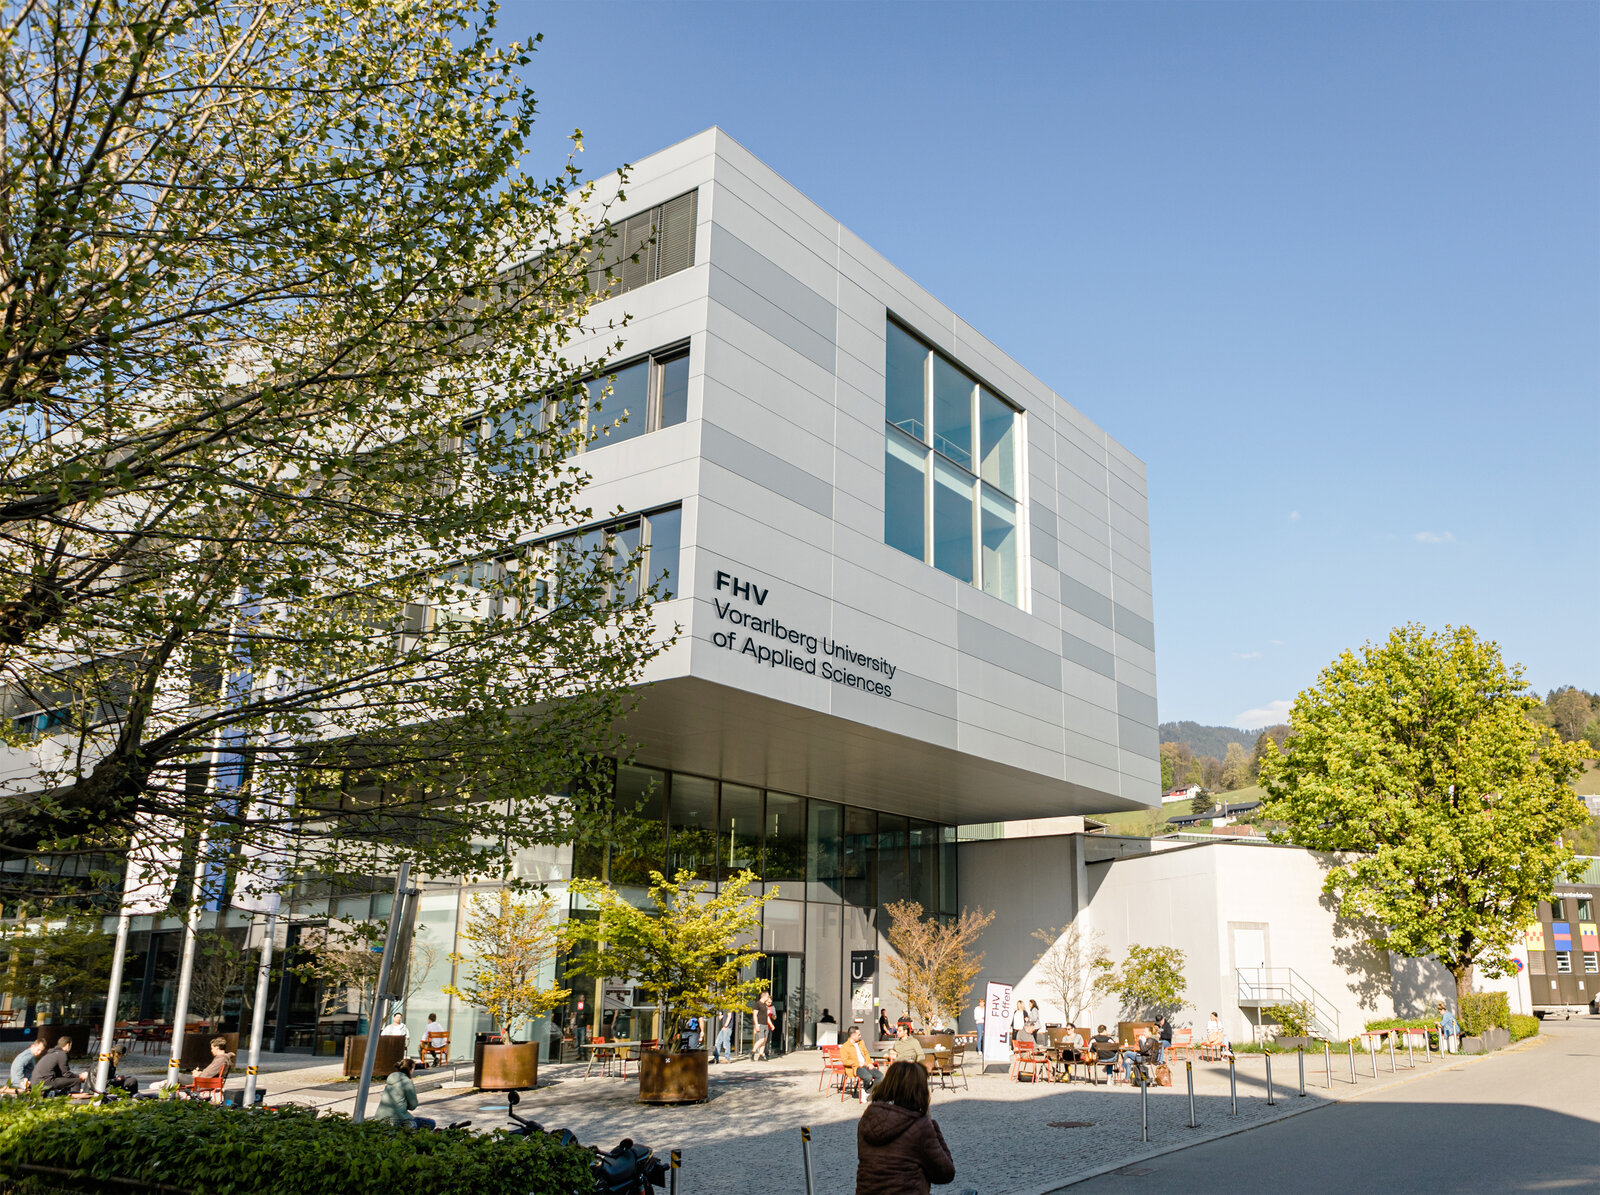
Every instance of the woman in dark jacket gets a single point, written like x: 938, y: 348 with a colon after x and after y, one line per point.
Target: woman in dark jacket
x: 899, y: 1149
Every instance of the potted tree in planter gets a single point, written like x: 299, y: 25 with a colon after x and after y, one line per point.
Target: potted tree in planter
x: 515, y: 936
x: 687, y: 952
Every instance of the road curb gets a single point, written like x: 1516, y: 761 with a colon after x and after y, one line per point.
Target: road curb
x: 1322, y: 1100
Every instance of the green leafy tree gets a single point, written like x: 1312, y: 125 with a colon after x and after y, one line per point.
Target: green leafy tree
x: 687, y: 951
x: 932, y: 961
x: 1205, y: 802
x: 1235, y: 768
x: 1415, y: 760
x: 1169, y: 772
x: 1150, y: 982
x: 515, y: 938
x: 288, y: 391
x: 58, y: 960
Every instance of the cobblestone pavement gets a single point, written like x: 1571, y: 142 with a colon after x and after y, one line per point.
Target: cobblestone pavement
x: 1007, y: 1138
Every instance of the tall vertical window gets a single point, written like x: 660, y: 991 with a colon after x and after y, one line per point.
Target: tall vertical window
x: 951, y: 468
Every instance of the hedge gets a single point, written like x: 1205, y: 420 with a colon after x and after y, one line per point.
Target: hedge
x: 1522, y: 1026
x: 1482, y: 1010
x: 291, y: 1151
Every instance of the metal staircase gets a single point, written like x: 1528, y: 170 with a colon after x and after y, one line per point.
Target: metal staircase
x: 1262, y: 987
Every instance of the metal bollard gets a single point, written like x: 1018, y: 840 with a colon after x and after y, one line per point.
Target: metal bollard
x: 1144, y: 1112
x: 1327, y: 1063
x: 1189, y: 1070
x: 676, y: 1157
x: 805, y: 1153
x: 1372, y: 1056
x: 1302, y: 1053
x: 1352, y: 1044
x: 1233, y: 1089
x: 1391, y: 1054
x: 1411, y: 1052
x: 1268, y: 1056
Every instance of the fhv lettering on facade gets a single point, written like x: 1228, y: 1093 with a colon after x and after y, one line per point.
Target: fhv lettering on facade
x: 796, y: 649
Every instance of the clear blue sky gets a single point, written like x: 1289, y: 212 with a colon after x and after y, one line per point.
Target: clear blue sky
x: 1331, y: 270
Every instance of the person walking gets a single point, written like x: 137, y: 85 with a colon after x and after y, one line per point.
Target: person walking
x: 53, y: 1073
x: 765, y: 1022
x: 400, y: 1098
x: 856, y: 1061
x: 723, y: 1046
x: 899, y: 1148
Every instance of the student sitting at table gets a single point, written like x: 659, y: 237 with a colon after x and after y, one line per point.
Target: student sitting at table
x: 1104, y: 1048
x: 853, y: 1055
x: 907, y: 1048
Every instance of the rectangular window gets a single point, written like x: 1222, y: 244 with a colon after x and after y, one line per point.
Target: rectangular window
x: 952, y: 521
x: 905, y: 495
x: 824, y: 838
x: 645, y: 246
x: 1585, y: 910
x: 997, y: 429
x: 739, y: 829
x: 619, y: 405
x: 860, y: 828
x: 673, y: 386
x: 905, y: 384
x: 961, y: 515
x: 636, y: 397
x: 1591, y: 962
x: 666, y: 539
x: 999, y: 546
x: 783, y: 847
x: 692, y: 814
x: 1537, y: 964
x: 952, y: 412
x: 1563, y: 962
x: 638, y: 836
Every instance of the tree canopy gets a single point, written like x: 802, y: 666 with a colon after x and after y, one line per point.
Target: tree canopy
x: 288, y: 405
x: 1416, y: 762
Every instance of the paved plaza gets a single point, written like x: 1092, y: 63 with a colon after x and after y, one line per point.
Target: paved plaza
x: 1007, y: 1138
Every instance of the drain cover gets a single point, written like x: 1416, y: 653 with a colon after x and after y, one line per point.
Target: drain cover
x: 1072, y: 1124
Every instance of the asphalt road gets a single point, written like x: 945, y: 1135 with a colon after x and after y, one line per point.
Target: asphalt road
x: 1524, y: 1120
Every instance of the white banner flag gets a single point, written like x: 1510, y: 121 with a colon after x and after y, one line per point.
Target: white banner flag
x: 996, y: 1023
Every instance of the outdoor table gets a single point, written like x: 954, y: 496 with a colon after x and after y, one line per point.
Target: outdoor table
x: 605, y: 1045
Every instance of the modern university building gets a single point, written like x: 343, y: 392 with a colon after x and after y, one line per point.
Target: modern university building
x: 913, y: 581
x: 913, y: 584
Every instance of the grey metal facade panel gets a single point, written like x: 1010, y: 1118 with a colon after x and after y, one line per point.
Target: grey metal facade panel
x: 1128, y: 624
x: 765, y: 469
x: 770, y: 280
x: 1087, y: 601
x: 1081, y: 651
x: 1141, y: 707
x: 737, y: 297
x: 979, y: 638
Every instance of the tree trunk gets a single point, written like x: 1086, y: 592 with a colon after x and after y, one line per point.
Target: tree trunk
x: 1463, y: 976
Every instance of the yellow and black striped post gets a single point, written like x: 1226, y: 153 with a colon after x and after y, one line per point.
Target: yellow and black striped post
x: 805, y: 1153
x: 675, y: 1157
